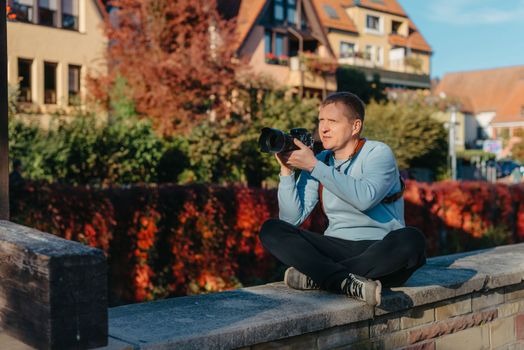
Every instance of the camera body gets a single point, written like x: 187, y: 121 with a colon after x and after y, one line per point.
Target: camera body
x: 276, y: 141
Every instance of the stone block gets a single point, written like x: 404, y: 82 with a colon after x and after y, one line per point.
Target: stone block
x: 417, y: 316
x: 452, y: 325
x: 514, y: 292
x: 452, y: 308
x: 519, y: 326
x: 485, y: 300
x: 429, y: 345
x: 300, y: 342
x: 342, y: 335
x: 502, y: 331
x: 509, y: 309
x: 383, y: 325
x: 395, y: 340
x: 53, y: 293
x: 470, y: 339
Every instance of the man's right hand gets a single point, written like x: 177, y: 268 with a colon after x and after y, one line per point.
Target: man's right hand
x: 282, y: 160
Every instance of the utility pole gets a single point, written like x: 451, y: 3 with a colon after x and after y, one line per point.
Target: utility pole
x: 452, y: 138
x: 4, y: 143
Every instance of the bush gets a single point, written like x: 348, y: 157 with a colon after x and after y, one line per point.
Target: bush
x: 417, y: 139
x: 227, y: 151
x: 175, y: 240
x: 355, y: 81
x: 83, y: 151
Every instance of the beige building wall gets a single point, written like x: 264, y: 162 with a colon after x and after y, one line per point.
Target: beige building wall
x: 85, y: 48
x: 377, y: 39
x: 284, y: 75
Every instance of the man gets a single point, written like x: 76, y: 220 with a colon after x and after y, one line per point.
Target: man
x: 366, y: 243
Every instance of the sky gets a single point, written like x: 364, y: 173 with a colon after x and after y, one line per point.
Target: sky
x: 470, y: 34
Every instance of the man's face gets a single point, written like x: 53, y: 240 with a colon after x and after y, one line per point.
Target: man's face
x: 336, y: 127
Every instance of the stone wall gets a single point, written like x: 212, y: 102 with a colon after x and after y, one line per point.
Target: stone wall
x: 481, y: 320
x: 472, y: 300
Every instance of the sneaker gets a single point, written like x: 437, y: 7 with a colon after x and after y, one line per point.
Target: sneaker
x: 297, y: 280
x: 362, y: 289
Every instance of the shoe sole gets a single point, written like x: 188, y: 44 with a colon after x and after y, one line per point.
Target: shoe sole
x: 378, y: 292
x: 286, y: 278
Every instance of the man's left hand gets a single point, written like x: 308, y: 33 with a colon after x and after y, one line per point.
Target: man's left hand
x: 303, y: 158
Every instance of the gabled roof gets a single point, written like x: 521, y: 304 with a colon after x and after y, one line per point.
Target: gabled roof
x: 487, y: 90
x: 343, y: 22
x: 389, y: 6
x: 414, y: 41
x: 512, y: 109
x: 248, y: 11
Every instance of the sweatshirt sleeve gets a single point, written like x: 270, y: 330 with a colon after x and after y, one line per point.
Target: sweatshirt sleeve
x: 297, y: 200
x: 379, y: 176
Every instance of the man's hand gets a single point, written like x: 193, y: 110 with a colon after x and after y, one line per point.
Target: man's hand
x: 303, y: 158
x: 285, y: 169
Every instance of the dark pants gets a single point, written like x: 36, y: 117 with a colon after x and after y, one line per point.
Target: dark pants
x: 328, y: 260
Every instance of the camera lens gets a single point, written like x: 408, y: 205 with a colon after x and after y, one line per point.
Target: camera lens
x: 276, y: 142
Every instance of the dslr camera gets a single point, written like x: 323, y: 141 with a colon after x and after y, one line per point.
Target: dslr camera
x: 276, y: 141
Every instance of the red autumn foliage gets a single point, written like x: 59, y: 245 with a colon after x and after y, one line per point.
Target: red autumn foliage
x: 177, y: 58
x: 176, y: 240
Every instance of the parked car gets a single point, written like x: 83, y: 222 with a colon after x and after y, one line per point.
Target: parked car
x: 504, y: 166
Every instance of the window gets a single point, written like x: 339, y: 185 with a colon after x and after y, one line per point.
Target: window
x: 368, y: 54
x: 24, y: 76
x: 49, y: 83
x: 522, y: 111
x: 373, y: 23
x: 278, y: 10
x: 22, y: 10
x: 346, y: 49
x: 268, y: 48
x: 73, y: 78
x: 395, y: 27
x: 276, y: 48
x: 331, y: 12
x: 291, y: 11
x: 47, y: 12
x: 279, y: 45
x: 70, y: 14
x: 379, y: 56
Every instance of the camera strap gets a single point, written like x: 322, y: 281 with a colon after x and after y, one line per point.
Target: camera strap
x: 387, y: 200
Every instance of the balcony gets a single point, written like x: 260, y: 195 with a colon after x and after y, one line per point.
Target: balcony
x: 359, y: 59
x: 318, y: 73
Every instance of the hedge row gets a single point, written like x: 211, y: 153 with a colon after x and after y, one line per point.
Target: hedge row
x: 174, y: 240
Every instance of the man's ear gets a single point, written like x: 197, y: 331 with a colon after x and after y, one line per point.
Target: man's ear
x: 357, y: 126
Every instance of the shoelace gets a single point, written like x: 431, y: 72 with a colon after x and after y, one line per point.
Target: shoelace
x: 310, y: 283
x: 353, y: 287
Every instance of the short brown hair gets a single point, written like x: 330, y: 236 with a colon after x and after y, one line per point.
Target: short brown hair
x: 352, y: 102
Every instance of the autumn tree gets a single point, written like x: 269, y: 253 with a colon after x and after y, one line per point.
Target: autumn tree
x: 177, y: 57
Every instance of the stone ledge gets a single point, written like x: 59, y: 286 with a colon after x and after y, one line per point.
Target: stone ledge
x: 270, y: 312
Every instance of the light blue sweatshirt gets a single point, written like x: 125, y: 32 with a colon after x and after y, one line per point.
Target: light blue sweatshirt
x: 352, y: 197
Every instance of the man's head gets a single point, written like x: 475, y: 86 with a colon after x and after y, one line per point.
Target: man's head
x: 341, y: 118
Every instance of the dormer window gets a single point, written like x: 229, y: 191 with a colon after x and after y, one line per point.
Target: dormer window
x: 395, y: 27
x: 373, y: 24
x: 331, y: 12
